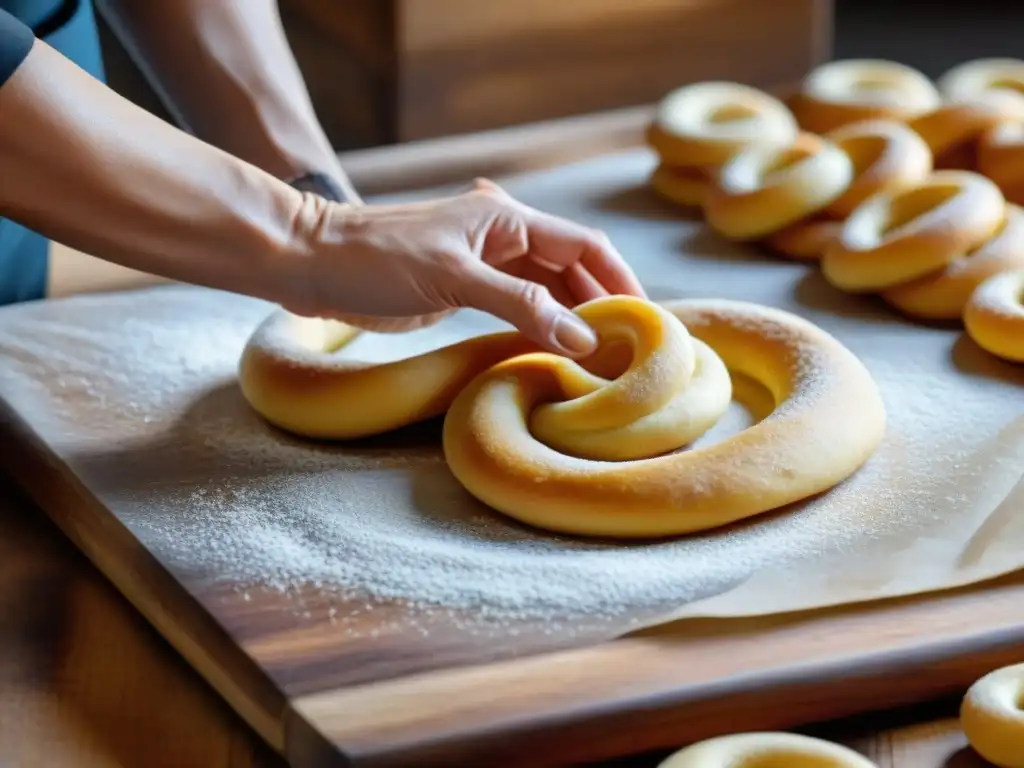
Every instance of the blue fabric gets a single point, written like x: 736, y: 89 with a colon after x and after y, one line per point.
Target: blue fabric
x: 23, y: 252
x: 16, y: 40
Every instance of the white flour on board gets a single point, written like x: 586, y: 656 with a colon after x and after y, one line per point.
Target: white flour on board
x: 137, y: 393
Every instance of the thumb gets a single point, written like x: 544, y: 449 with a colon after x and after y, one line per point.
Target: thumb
x: 530, y: 308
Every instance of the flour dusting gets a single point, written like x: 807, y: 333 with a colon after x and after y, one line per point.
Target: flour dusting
x: 138, y: 394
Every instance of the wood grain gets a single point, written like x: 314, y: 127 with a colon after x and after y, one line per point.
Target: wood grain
x: 111, y: 693
x: 84, y: 681
x: 324, y: 697
x: 416, y: 69
x: 679, y: 683
x: 327, y: 698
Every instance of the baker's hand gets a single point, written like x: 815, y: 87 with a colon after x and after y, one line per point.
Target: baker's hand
x: 399, y: 267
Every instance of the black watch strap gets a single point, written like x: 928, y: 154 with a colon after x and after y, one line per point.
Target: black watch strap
x: 319, y: 184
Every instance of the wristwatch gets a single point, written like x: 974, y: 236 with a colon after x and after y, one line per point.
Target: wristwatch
x: 320, y: 184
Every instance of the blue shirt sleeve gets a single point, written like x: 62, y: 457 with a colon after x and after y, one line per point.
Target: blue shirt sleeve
x: 16, y: 40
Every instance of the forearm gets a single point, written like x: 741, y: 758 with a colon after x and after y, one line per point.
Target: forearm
x: 85, y: 167
x: 227, y: 72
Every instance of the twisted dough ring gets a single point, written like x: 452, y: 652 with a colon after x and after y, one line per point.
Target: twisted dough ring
x: 847, y: 91
x: 980, y: 76
x: 944, y: 293
x: 560, y: 446
x: 760, y: 750
x: 954, y: 130
x: 1000, y: 153
x: 796, y: 196
x: 700, y: 127
x: 994, y: 315
x: 973, y: 129
x: 896, y: 237
x: 992, y: 717
x: 765, y: 189
x: 886, y: 155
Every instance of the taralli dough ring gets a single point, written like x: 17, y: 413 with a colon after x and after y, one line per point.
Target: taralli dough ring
x: 850, y: 90
x: 943, y: 295
x: 764, y: 750
x: 805, y: 240
x: 765, y: 189
x: 687, y: 187
x: 992, y: 717
x: 978, y: 76
x: 1000, y: 155
x: 886, y: 155
x: 896, y: 237
x: 954, y: 130
x: 994, y: 316
x: 561, y: 447
x: 706, y: 124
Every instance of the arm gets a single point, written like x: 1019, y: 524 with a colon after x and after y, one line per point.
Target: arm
x: 227, y: 73
x: 85, y: 167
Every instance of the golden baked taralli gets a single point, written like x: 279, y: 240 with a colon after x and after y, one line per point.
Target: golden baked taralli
x: 706, y: 124
x: 992, y: 716
x: 954, y: 130
x: 994, y: 315
x: 686, y: 187
x: 849, y: 90
x: 886, y: 155
x: 943, y: 294
x: 564, y: 446
x: 766, y: 750
x: 766, y: 189
x: 896, y: 237
x: 805, y: 240
x: 1001, y: 158
x: 699, y: 127
x: 981, y: 76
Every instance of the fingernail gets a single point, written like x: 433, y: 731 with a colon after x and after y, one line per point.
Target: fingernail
x: 573, y: 335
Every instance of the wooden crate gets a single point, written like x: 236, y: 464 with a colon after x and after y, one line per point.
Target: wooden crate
x: 384, y: 71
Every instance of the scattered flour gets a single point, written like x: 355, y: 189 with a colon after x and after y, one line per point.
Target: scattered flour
x: 137, y: 394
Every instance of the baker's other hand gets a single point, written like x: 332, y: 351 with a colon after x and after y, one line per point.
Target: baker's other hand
x: 400, y: 267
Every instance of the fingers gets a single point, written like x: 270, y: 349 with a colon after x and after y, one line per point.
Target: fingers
x: 608, y: 267
x: 530, y: 307
x: 560, y: 243
x: 581, y: 284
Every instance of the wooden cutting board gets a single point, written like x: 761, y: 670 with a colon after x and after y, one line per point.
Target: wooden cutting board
x: 407, y: 699
x: 533, y: 698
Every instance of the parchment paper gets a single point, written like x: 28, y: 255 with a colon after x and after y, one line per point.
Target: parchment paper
x: 136, y: 392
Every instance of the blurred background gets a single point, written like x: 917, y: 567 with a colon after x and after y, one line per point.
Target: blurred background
x: 384, y: 71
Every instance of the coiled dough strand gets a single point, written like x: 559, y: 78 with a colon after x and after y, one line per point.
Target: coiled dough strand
x: 828, y: 419
x: 586, y: 448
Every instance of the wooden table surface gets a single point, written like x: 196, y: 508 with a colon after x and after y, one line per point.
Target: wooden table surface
x: 86, y: 682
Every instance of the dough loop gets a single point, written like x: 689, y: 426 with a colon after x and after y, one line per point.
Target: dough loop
x: 994, y: 316
x: 1001, y: 158
x: 886, y: 155
x: 992, y: 716
x: 700, y: 127
x: 954, y: 130
x: 850, y: 90
x: 982, y: 76
x: 944, y: 293
x: 761, y: 750
x: 587, y: 448
x: 898, y: 236
x: 766, y: 189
